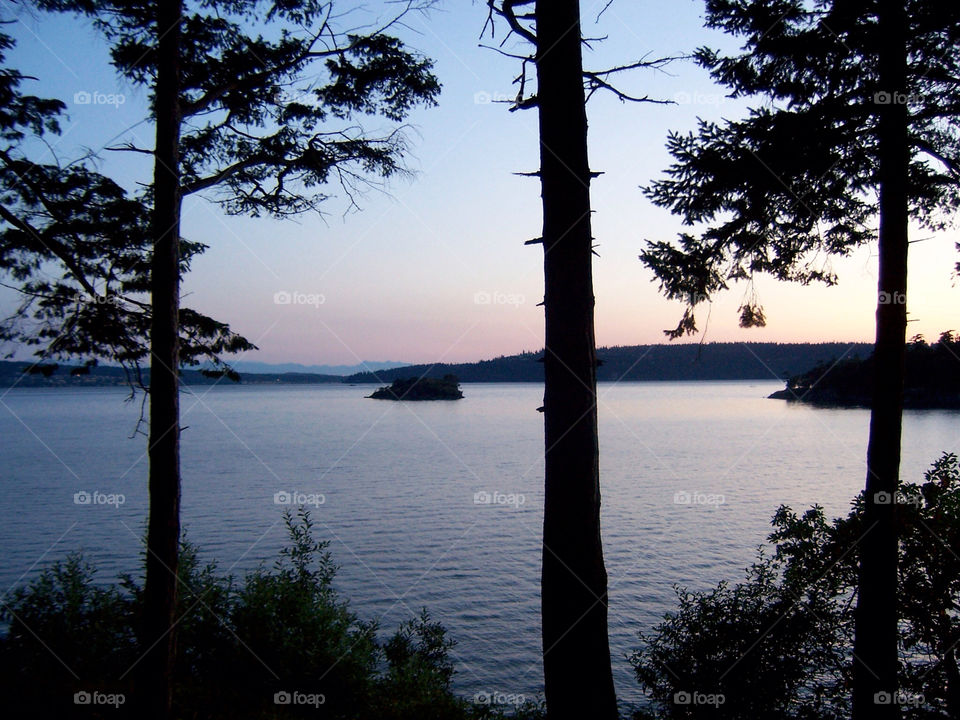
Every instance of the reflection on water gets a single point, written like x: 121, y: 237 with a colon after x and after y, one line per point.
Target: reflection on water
x: 439, y: 504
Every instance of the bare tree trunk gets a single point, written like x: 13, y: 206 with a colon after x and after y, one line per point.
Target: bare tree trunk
x: 576, y: 652
x: 875, y: 641
x: 163, y: 533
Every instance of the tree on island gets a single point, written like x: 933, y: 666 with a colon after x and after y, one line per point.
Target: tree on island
x: 578, y: 681
x: 931, y: 378
x: 238, y: 115
x: 421, y: 388
x: 862, y: 124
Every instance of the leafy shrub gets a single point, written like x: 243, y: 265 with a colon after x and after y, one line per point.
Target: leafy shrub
x: 779, y: 644
x: 66, y: 635
x: 280, y: 634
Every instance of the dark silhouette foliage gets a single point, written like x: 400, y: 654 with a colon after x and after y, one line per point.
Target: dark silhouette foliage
x: 931, y: 378
x: 421, y: 388
x: 779, y: 643
x: 242, y: 644
x: 797, y: 180
x: 77, y: 248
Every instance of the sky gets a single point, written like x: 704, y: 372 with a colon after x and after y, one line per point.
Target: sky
x: 435, y: 269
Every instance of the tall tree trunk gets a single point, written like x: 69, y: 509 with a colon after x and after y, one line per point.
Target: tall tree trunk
x: 163, y: 533
x: 875, y: 642
x: 576, y: 652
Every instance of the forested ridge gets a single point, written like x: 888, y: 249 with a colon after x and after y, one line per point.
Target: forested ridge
x: 690, y: 361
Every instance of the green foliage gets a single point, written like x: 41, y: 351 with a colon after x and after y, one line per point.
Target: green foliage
x: 795, y: 182
x: 281, y: 630
x: 291, y: 621
x: 421, y: 388
x: 64, y: 629
x: 779, y: 643
x: 77, y: 247
x: 270, y: 121
x: 23, y: 114
x: 931, y: 377
x: 417, y: 658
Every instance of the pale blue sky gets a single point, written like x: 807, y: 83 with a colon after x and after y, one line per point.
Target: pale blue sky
x: 437, y: 269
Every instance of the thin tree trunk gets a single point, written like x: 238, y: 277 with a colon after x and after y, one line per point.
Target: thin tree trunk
x: 576, y: 652
x: 163, y: 533
x: 875, y: 641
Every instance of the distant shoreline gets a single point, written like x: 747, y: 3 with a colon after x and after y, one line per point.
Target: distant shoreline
x: 367, y: 386
x: 637, y: 363
x: 931, y: 379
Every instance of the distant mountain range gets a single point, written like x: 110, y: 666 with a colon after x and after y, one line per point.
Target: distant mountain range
x: 252, y: 373
x: 690, y: 361
x: 13, y: 374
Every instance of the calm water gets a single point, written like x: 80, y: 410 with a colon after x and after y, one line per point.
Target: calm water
x: 399, y: 483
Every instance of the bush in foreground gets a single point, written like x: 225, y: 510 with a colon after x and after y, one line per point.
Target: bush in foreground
x: 279, y: 644
x: 779, y: 644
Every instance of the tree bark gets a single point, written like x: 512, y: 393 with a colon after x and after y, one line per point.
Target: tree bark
x: 163, y: 533
x: 576, y: 652
x: 875, y: 641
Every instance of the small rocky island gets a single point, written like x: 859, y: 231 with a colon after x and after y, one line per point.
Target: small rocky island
x: 932, y: 379
x: 445, y: 388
